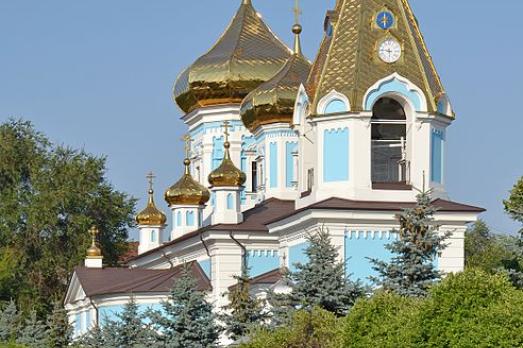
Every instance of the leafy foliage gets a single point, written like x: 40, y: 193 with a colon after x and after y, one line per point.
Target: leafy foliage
x: 187, y: 319
x: 50, y: 195
x: 316, y: 328
x: 486, y: 251
x: 412, y: 271
x: 321, y: 282
x: 244, y: 310
x: 384, y: 320
x: 514, y: 207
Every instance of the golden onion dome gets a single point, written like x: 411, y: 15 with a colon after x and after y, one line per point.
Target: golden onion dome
x: 246, y: 55
x: 273, y: 101
x: 187, y: 191
x: 151, y: 216
x: 94, y: 250
x: 227, y: 175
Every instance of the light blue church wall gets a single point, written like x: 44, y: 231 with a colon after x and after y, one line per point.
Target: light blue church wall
x: 206, y: 267
x: 106, y: 313
x: 396, y: 86
x: 297, y: 255
x: 359, y: 246
x: 179, y: 218
x: 230, y: 203
x: 336, y: 155
x: 290, y: 147
x: 437, y: 149
x: 247, y: 142
x: 262, y: 261
x: 217, y: 152
x: 189, y: 218
x: 335, y: 106
x: 273, y: 154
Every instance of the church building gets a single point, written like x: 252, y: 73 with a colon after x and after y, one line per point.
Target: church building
x: 279, y: 146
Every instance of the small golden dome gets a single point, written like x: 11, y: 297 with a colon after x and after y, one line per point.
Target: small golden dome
x: 273, y: 101
x: 187, y: 191
x: 227, y: 175
x: 151, y: 216
x: 246, y: 55
x: 94, y: 250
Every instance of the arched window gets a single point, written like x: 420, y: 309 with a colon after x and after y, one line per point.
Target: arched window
x: 389, y: 142
x: 230, y: 204
x: 335, y: 106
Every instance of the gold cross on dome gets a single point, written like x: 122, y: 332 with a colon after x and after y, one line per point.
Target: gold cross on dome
x: 226, y: 126
x: 150, y: 178
x: 297, y: 11
x: 93, y: 232
x: 187, y: 139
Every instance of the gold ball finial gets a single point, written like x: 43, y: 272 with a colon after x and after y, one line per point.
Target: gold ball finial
x: 297, y: 29
x: 94, y: 250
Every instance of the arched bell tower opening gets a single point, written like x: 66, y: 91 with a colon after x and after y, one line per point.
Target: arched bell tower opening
x: 390, y: 164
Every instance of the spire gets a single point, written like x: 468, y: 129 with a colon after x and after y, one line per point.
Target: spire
x: 356, y: 37
x: 297, y: 28
x: 247, y: 2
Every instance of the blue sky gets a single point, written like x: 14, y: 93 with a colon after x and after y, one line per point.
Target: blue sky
x: 98, y: 75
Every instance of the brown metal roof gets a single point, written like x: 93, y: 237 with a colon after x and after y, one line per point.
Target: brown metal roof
x: 254, y: 220
x: 271, y: 277
x: 125, y: 280
x: 346, y: 204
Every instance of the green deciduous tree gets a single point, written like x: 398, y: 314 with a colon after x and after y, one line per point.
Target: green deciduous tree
x: 470, y: 309
x: 485, y: 251
x: 514, y: 207
x: 244, y: 310
x: 316, y: 328
x: 412, y: 271
x: 49, y: 197
x: 187, y: 319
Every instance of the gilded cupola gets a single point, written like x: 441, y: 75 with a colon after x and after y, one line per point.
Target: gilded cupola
x: 187, y: 191
x: 227, y: 174
x: 94, y: 251
x: 245, y: 56
x: 151, y: 215
x: 273, y: 101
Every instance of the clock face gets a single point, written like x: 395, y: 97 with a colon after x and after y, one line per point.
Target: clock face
x: 390, y: 51
x: 385, y: 20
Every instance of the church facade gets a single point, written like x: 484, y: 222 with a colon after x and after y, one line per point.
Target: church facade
x: 279, y: 147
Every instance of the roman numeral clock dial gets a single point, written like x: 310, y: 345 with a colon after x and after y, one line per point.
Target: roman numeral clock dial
x: 389, y: 50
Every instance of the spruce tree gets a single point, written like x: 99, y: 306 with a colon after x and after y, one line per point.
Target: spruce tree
x: 412, y: 271
x: 244, y: 310
x: 95, y: 338
x: 187, y: 319
x: 322, y: 282
x: 129, y: 329
x: 33, y: 333
x: 9, y: 323
x: 59, y: 331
